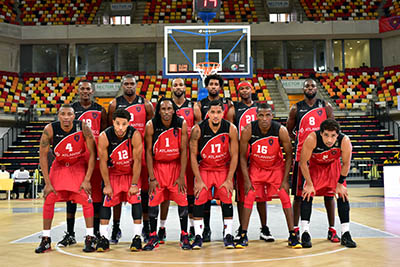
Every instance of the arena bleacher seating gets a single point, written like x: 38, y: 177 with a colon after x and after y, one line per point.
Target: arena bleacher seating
x: 8, y: 12
x: 390, y: 86
x: 392, y: 8
x: 12, y: 95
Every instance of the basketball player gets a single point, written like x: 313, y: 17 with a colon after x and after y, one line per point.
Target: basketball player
x: 166, y: 155
x: 325, y: 175
x: 95, y: 116
x: 192, y: 115
x: 141, y: 111
x: 305, y: 117
x: 120, y: 150
x: 214, y: 84
x: 241, y: 114
x: 267, y: 173
x: 69, y: 178
x: 213, y: 155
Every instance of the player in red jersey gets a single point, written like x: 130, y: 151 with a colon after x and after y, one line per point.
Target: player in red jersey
x: 69, y: 178
x: 241, y: 114
x: 166, y: 156
x: 325, y: 175
x: 214, y: 84
x: 192, y: 115
x: 141, y: 111
x: 214, y: 156
x: 267, y: 174
x: 305, y: 117
x: 95, y: 116
x: 120, y: 150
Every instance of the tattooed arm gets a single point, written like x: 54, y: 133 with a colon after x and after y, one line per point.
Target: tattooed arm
x: 45, y: 140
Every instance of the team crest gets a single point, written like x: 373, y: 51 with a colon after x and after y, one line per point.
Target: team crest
x: 175, y: 131
x: 223, y: 138
x: 94, y: 115
x: 138, y: 109
x: 187, y: 112
x: 334, y: 152
x: 319, y: 112
x: 76, y: 138
x: 271, y: 141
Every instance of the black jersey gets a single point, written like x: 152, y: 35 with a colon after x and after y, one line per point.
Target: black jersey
x: 167, y: 141
x: 91, y: 116
x: 205, y: 106
x: 323, y: 154
x: 136, y: 109
x: 68, y: 146
x: 244, y: 115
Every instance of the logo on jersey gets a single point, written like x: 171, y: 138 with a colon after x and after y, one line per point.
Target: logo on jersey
x: 319, y: 112
x: 76, y: 138
x: 176, y: 132
x: 138, y: 109
x: 334, y: 152
x: 94, y: 115
x: 223, y: 139
x: 187, y: 112
x: 271, y: 141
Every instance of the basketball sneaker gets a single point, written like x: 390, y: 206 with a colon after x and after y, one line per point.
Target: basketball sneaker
x: 207, y: 234
x: 44, y: 246
x: 145, y: 233
x: 228, y: 241
x: 191, y: 233
x: 332, y: 235
x: 197, y: 243
x: 115, y: 236
x: 185, y: 243
x: 306, y: 240
x: 152, y: 243
x: 90, y: 244
x: 347, y: 241
x: 242, y: 242
x: 266, y: 235
x: 297, y: 232
x: 162, y: 235
x: 102, y: 244
x: 136, y: 243
x: 68, y: 240
x: 293, y: 241
x: 238, y: 234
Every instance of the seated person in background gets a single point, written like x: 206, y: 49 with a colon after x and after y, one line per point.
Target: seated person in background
x: 21, y: 178
x: 3, y: 173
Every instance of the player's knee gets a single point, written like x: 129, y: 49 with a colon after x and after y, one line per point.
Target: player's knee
x: 105, y: 213
x: 153, y: 211
x: 71, y: 207
x: 198, y: 211
x: 88, y: 210
x: 328, y: 198
x: 190, y: 200
x: 136, y: 211
x: 297, y: 199
x: 183, y: 211
x: 285, y: 199
x: 227, y: 210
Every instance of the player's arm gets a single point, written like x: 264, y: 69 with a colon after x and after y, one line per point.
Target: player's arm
x: 91, y: 145
x: 45, y: 141
x: 194, y: 146
x: 197, y: 113
x: 346, y: 149
x: 231, y: 114
x: 104, y: 120
x: 287, y: 147
x: 329, y: 111
x: 111, y: 108
x: 102, y: 149
x: 183, y: 150
x: 233, y: 150
x: 291, y: 121
x: 244, y: 144
x: 149, y: 110
x: 197, y: 106
x: 309, y: 144
x: 137, y: 149
x: 148, y: 138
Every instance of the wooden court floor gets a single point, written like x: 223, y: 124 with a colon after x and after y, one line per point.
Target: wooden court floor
x: 22, y: 218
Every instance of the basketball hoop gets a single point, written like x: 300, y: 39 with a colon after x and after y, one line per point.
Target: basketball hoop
x: 207, y: 68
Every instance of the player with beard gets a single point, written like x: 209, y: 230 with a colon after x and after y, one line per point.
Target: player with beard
x: 141, y: 111
x: 214, y: 84
x: 305, y: 117
x: 241, y: 114
x: 214, y: 156
x: 192, y: 115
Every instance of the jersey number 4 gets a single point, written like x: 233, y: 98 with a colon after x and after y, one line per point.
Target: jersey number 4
x: 68, y: 147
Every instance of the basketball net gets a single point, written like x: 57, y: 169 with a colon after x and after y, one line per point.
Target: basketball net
x: 207, y: 68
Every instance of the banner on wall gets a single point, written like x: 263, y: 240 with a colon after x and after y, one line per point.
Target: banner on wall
x: 389, y: 24
x: 121, y: 6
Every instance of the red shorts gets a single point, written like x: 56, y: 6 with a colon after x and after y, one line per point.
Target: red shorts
x: 96, y: 181
x: 325, y: 177
x: 63, y: 196
x: 120, y: 184
x: 166, y: 174
x: 67, y: 177
x: 214, y: 178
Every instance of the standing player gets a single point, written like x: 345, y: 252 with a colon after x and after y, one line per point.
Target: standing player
x: 267, y: 173
x: 192, y: 115
x: 324, y: 176
x: 166, y: 156
x: 120, y: 150
x: 141, y: 111
x: 69, y: 178
x: 241, y: 114
x: 95, y: 116
x: 214, y: 156
x: 214, y: 84
x: 305, y: 117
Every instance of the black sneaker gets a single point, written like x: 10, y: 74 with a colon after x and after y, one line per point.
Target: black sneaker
x: 228, y: 241
x: 306, y: 240
x: 266, y: 235
x: 293, y: 241
x: 197, y: 243
x: 146, y: 234
x: 238, y: 234
x: 136, y: 243
x: 191, y: 233
x: 242, y: 242
x: 347, y: 241
x: 44, y: 246
x: 152, y: 243
x: 115, y: 236
x: 162, y: 235
x: 185, y: 243
x: 207, y: 235
x: 90, y: 244
x: 102, y: 244
x: 68, y: 240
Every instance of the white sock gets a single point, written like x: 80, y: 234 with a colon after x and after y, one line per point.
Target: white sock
x: 137, y: 229
x: 191, y: 223
x: 162, y: 223
x: 345, y: 227
x: 89, y: 231
x: 198, y: 227
x: 104, y: 230
x: 46, y: 233
x: 228, y: 226
x: 305, y: 226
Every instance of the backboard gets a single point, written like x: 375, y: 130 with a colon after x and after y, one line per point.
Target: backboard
x: 228, y: 45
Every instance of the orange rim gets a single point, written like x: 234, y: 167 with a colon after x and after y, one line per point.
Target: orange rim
x: 207, y: 67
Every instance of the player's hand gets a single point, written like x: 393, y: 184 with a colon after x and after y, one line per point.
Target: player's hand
x: 247, y: 186
x: 133, y: 190
x: 107, y: 190
x: 153, y: 184
x: 285, y: 186
x: 199, y: 185
x: 181, y: 184
x: 48, y: 188
x: 85, y: 185
x: 308, y: 191
x: 228, y: 184
x: 341, y: 190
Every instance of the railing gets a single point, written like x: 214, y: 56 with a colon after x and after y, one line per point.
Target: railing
x: 362, y: 170
x: 9, y: 137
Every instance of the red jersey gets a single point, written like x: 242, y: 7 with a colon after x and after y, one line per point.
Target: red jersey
x: 91, y: 116
x: 137, y: 110
x: 244, y: 115
x: 186, y: 112
x: 214, y: 147
x: 167, y: 141
x: 322, y: 154
x: 205, y: 106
